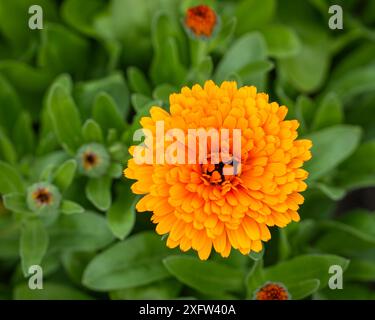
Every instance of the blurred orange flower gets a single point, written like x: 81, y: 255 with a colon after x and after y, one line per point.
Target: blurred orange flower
x: 200, y: 208
x: 201, y: 20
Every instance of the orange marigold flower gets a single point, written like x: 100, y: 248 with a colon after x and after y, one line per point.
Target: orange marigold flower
x: 272, y: 291
x: 195, y: 204
x: 201, y: 20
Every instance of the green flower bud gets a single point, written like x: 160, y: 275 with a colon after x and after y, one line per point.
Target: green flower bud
x: 43, y: 197
x: 93, y: 160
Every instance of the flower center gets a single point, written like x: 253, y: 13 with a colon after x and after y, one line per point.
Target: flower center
x: 42, y: 196
x: 90, y: 160
x: 213, y: 172
x: 200, y: 11
x: 272, y: 291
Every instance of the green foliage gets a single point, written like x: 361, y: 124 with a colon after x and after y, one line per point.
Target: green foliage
x: 131, y: 263
x: 208, y: 277
x: 75, y: 92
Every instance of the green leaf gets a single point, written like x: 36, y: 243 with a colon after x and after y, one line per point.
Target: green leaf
x: 10, y: 179
x: 359, y: 169
x: 356, y: 234
x: 65, y: 174
x: 9, y: 238
x: 75, y: 263
x: 138, y: 82
x: 224, y: 36
x: 333, y: 192
x: 16, y: 202
x: 121, y: 215
x: 33, y: 244
x: 163, y: 91
x: 23, y: 134
x: 129, y: 22
x: 139, y: 101
x: 86, y: 231
x: 204, y: 276
x: 303, y: 234
x: 245, y: 50
x: 106, y: 113
x: 53, y: 159
x: 65, y: 119
x: 70, y: 207
x: 252, y: 14
x: 159, y: 290
x: 61, y: 50
x: 7, y: 150
x: 351, y: 291
x: 304, y: 289
x: 98, y: 191
x: 356, y: 82
x: 358, y: 58
x: 10, y: 105
x: 81, y: 16
x: 92, y: 132
x: 303, y: 268
x: 26, y: 78
x: 114, y: 85
x: 282, y: 41
x: 361, y: 270
x: 329, y: 113
x: 115, y: 170
x: 51, y: 291
x: 134, y: 262
x: 167, y: 66
x: 259, y: 68
x: 304, y: 112
x: 361, y: 219
x: 307, y: 70
x: 330, y: 147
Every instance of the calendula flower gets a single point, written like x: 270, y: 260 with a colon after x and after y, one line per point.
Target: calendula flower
x: 93, y: 160
x: 272, y: 291
x: 201, y: 20
x: 200, y: 206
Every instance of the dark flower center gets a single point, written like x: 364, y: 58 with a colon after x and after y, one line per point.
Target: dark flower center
x: 214, y: 173
x: 90, y: 160
x: 42, y: 196
x: 200, y: 11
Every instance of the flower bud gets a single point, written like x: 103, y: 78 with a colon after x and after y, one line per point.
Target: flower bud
x: 93, y: 160
x: 272, y: 291
x: 201, y: 21
x: 42, y: 197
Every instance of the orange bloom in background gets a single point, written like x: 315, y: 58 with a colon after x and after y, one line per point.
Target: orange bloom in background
x: 195, y: 204
x: 272, y: 291
x: 201, y: 20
